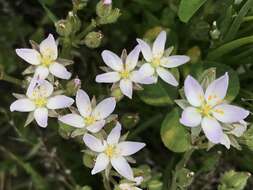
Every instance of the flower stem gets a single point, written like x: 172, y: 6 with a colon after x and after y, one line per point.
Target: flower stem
x: 181, y: 164
x: 106, y: 182
x: 10, y: 79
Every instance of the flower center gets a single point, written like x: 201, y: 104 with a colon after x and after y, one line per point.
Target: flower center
x: 156, y: 62
x: 205, y: 110
x: 125, y: 74
x: 46, y: 61
x: 89, y: 120
x: 40, y: 102
x: 110, y: 151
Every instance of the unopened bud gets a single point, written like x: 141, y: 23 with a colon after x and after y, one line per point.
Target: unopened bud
x: 103, y: 10
x: 93, y: 39
x: 111, y: 18
x: 130, y: 120
x: 79, y: 4
x: 63, y: 28
x: 72, y: 86
x: 155, y: 185
x: 195, y: 54
x: 74, y: 21
x: 107, y: 2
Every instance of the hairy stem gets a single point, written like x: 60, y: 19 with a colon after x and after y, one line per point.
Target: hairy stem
x: 106, y: 182
x: 181, y: 164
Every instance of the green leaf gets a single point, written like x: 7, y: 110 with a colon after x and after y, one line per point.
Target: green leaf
x: 159, y: 94
x: 175, y: 136
x: 187, y: 8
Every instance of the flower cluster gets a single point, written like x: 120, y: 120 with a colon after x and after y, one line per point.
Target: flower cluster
x: 205, y: 108
x: 123, y: 71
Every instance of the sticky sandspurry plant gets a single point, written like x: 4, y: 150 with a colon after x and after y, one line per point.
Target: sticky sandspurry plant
x: 205, y: 110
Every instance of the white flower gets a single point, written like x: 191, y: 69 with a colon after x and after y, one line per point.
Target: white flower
x: 157, y: 63
x: 91, y: 118
x: 39, y: 101
x: 209, y: 109
x: 45, y: 59
x: 111, y: 151
x: 123, y: 72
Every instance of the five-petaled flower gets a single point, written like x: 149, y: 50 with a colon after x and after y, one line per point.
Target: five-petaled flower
x: 39, y: 100
x: 112, y: 151
x: 45, y: 59
x: 123, y: 71
x: 93, y: 118
x: 210, y: 109
x: 157, y: 62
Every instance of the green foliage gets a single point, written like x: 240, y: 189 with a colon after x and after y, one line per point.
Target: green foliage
x: 187, y: 8
x: 175, y: 136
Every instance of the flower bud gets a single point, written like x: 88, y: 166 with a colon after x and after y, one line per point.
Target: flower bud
x: 88, y: 160
x: 234, y: 180
x: 185, y: 177
x: 72, y: 86
x: 111, y: 18
x: 107, y: 2
x: 129, y: 120
x: 63, y: 27
x: 155, y: 185
x: 79, y: 4
x: 74, y: 21
x: 195, y: 54
x: 103, y: 10
x: 93, y: 39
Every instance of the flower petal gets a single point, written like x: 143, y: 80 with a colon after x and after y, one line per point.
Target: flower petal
x: 122, y: 167
x: 212, y: 129
x: 83, y: 103
x: 46, y: 88
x: 109, y: 77
x: 136, y: 77
x: 217, y: 90
x: 41, y: 72
x: 73, y: 120
x: 96, y: 127
x: 22, y: 105
x: 166, y: 76
x: 193, y: 91
x: 126, y: 87
x: 48, y: 48
x: 146, y: 70
x: 132, y: 58
x: 59, y: 102
x: 174, y: 61
x: 41, y: 116
x: 190, y: 117
x: 101, y: 163
x: 93, y: 143
x: 112, y: 60
x: 229, y: 113
x: 59, y: 71
x: 128, y: 148
x: 113, y: 137
x: 104, y: 108
x: 225, y: 141
x: 159, y: 44
x: 29, y: 55
x: 146, y: 50
x: 239, y: 129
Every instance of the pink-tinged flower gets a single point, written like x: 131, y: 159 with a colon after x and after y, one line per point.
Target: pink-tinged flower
x: 39, y: 100
x: 45, y: 59
x: 157, y: 63
x: 123, y: 71
x: 107, y: 2
x: 209, y: 109
x: 92, y: 118
x: 112, y: 151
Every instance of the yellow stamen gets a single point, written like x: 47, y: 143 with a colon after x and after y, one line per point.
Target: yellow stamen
x: 125, y: 74
x: 89, y: 120
x: 46, y: 61
x: 156, y: 62
x: 220, y: 111
x: 110, y: 151
x: 40, y: 102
